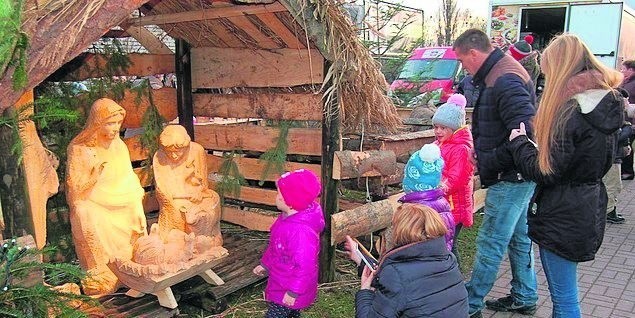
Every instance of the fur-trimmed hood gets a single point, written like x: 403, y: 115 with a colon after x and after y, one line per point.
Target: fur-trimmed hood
x: 603, y: 108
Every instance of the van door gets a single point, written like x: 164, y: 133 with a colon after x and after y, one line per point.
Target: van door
x: 598, y: 25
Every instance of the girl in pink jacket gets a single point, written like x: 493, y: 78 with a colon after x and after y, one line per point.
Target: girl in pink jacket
x: 455, y: 140
x: 291, y: 258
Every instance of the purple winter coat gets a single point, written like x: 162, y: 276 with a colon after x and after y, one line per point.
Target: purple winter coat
x: 291, y: 258
x: 435, y: 199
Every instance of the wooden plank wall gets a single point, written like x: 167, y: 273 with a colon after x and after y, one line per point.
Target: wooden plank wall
x: 221, y: 68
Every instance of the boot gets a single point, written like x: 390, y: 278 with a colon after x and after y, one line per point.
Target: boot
x: 614, y: 218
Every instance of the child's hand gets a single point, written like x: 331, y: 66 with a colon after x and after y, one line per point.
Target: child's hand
x: 351, y: 246
x: 288, y: 299
x: 260, y: 270
x: 367, y: 278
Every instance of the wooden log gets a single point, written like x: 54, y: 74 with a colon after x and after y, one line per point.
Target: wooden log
x: 164, y: 100
x: 234, y: 67
x: 363, y: 220
x: 50, y: 43
x: 89, y: 65
x: 290, y: 39
x: 355, y: 164
x: 302, y: 141
x: 404, y: 144
x: 149, y: 41
x: 206, y: 14
x: 249, y: 219
x: 183, y: 63
x: 278, y: 106
x: 252, y: 168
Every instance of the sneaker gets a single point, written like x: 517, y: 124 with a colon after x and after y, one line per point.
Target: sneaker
x: 628, y: 176
x: 476, y: 314
x: 507, y: 304
x: 614, y: 217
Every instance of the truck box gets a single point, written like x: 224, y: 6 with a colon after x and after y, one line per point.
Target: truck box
x: 607, y: 27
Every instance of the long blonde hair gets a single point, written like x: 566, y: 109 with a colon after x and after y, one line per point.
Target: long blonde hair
x: 416, y: 223
x: 565, y: 57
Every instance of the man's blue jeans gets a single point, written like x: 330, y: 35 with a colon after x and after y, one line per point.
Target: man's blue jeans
x: 563, y: 284
x: 504, y: 229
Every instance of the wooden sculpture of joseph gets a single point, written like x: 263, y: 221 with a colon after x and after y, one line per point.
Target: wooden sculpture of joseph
x: 180, y: 172
x: 104, y: 195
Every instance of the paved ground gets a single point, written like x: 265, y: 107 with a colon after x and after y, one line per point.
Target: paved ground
x: 607, y: 284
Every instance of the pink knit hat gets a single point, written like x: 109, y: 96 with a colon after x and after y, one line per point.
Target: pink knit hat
x: 299, y: 188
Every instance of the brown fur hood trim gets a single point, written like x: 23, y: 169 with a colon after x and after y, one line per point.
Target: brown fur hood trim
x: 582, y: 82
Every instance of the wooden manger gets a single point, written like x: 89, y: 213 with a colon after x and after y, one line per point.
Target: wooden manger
x: 161, y: 285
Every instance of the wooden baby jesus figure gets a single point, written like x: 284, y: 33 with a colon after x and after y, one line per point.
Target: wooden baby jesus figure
x: 185, y: 200
x: 104, y: 195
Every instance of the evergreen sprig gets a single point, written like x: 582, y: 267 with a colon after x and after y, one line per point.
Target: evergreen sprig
x: 39, y: 300
x: 152, y: 124
x: 276, y: 157
x: 231, y: 179
x: 13, y: 42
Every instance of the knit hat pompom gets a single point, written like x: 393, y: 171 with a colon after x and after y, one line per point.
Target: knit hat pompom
x: 521, y: 48
x: 457, y: 99
x: 452, y: 113
x: 299, y: 188
x: 423, y: 170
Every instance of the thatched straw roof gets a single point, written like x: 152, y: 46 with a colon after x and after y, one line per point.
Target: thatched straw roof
x: 300, y: 24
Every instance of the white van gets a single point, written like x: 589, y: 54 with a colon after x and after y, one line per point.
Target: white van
x: 607, y: 27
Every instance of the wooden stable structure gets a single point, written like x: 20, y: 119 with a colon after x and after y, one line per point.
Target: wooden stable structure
x: 268, y: 61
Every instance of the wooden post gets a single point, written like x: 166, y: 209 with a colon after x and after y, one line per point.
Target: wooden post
x: 330, y: 144
x: 184, y: 86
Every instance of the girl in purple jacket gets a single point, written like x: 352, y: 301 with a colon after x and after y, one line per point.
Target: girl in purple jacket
x: 291, y: 258
x: 422, y: 185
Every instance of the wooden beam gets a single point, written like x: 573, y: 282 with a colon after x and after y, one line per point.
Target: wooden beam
x: 363, y: 220
x: 302, y: 141
x: 252, y: 168
x: 329, y: 199
x: 183, y: 64
x: 89, y: 65
x: 230, y: 67
x: 219, y: 29
x: 249, y: 219
x: 355, y: 164
x: 262, y: 40
x: 150, y: 202
x: 277, y: 106
x: 164, y: 100
x: 251, y: 194
x: 150, y: 41
x: 206, y: 14
x: 281, y: 30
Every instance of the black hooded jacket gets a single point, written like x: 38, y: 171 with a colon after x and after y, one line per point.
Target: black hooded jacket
x: 571, y: 203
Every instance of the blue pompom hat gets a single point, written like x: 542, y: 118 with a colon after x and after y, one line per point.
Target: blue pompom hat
x: 423, y: 170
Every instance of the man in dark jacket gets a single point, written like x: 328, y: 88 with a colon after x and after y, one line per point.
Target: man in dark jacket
x: 628, y: 85
x: 506, y: 99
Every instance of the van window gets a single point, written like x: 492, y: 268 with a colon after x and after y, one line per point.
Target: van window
x: 428, y: 69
